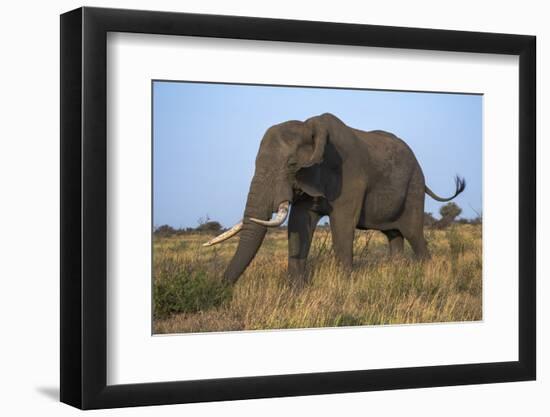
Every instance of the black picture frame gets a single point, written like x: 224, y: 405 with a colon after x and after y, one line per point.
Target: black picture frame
x: 84, y: 207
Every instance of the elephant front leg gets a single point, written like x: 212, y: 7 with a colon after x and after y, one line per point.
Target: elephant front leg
x: 343, y: 221
x: 343, y: 232
x: 301, y: 225
x: 344, y: 218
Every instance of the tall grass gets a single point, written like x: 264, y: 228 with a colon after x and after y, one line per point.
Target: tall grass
x: 190, y: 297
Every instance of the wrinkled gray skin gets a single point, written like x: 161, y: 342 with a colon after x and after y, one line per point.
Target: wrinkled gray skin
x: 361, y: 180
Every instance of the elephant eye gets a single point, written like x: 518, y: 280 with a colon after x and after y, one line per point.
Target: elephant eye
x: 292, y: 170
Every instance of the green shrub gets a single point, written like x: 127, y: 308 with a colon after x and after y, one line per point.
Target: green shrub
x: 345, y: 320
x: 187, y: 292
x: 457, y: 243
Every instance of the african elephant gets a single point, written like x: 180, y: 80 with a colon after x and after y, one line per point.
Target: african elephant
x: 361, y: 180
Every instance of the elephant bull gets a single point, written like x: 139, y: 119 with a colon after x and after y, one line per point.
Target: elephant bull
x: 361, y: 180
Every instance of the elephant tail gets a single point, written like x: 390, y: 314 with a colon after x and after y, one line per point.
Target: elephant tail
x: 460, y: 186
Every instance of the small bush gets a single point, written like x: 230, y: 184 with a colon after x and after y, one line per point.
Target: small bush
x: 165, y: 230
x: 209, y: 226
x: 186, y: 292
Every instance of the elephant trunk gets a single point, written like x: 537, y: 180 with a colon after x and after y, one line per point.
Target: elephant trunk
x: 251, y: 238
x: 259, y: 205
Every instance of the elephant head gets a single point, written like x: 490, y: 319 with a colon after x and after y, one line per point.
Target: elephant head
x: 288, y: 163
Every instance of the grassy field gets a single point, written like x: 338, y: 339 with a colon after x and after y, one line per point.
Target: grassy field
x: 188, y: 295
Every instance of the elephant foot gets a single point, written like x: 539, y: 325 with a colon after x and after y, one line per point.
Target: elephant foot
x: 297, y: 285
x: 298, y: 281
x: 423, y: 257
x: 345, y: 266
x: 297, y: 274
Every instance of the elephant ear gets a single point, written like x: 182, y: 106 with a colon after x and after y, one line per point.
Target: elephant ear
x: 309, y: 180
x: 309, y: 176
x: 318, y: 142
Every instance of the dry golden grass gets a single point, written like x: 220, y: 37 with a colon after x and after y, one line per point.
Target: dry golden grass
x: 189, y: 296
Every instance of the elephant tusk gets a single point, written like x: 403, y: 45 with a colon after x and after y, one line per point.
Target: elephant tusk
x: 279, y: 219
x: 225, y: 235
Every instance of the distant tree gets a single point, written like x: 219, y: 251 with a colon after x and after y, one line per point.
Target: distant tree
x: 443, y: 223
x: 451, y: 210
x: 165, y: 230
x: 448, y: 214
x: 208, y: 225
x: 429, y: 219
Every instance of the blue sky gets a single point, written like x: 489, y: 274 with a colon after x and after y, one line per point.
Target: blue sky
x: 206, y: 136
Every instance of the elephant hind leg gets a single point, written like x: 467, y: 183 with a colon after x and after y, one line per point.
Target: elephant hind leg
x: 414, y: 233
x: 418, y: 244
x: 411, y: 223
x: 412, y: 229
x: 395, y: 239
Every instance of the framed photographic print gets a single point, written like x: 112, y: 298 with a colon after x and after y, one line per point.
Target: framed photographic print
x: 258, y: 207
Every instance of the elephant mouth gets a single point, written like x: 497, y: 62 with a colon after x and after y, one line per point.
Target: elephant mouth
x: 279, y: 219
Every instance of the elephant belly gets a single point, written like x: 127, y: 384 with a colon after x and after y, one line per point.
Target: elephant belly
x: 381, y: 208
